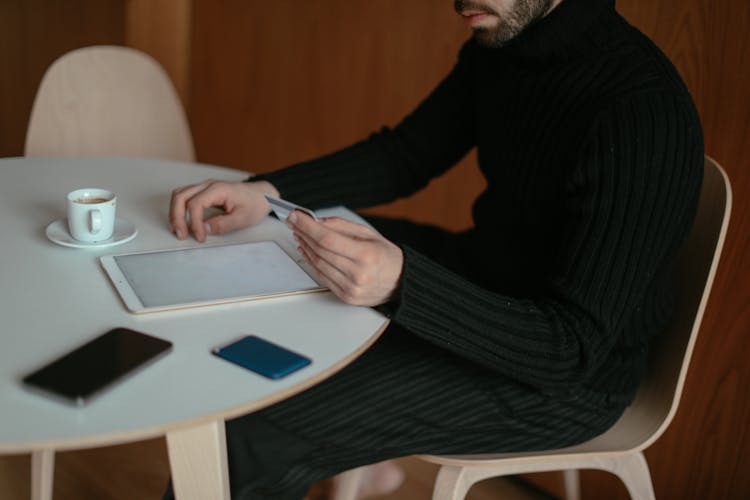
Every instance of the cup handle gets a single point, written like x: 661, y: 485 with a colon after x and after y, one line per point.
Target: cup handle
x: 95, y: 221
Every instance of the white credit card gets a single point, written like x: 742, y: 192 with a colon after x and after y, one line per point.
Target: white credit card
x: 283, y: 208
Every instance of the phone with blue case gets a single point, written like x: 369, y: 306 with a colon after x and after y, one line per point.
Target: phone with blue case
x: 262, y: 357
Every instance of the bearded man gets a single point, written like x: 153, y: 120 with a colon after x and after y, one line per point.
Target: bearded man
x: 531, y: 329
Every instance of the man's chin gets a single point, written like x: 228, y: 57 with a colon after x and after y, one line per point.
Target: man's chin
x: 492, y: 39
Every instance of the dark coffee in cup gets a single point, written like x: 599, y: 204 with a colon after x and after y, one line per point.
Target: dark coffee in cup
x: 91, y: 201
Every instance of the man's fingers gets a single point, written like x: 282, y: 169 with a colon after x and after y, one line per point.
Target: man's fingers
x: 320, y: 236
x: 328, y: 275
x: 194, y: 200
x: 196, y: 208
x: 331, y: 243
x: 177, y: 209
x: 178, y: 206
x: 343, y: 264
x: 222, y: 223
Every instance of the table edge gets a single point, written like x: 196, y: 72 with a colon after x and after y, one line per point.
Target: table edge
x: 115, y: 438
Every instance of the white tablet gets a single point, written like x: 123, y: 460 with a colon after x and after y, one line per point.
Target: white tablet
x: 205, y: 275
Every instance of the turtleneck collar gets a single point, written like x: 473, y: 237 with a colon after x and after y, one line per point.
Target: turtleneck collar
x: 569, y: 30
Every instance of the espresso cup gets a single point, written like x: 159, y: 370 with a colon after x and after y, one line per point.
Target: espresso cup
x: 91, y: 214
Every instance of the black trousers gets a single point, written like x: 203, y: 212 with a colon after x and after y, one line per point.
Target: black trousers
x: 403, y: 396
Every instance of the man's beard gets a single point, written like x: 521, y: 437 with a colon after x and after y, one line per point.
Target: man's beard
x: 511, y: 23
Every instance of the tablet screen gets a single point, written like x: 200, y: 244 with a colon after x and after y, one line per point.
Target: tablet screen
x: 211, y: 274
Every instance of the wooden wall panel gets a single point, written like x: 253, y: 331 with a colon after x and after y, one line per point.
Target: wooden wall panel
x: 273, y: 83
x: 33, y: 33
x: 162, y: 29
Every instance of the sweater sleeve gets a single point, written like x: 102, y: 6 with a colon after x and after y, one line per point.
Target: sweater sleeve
x: 630, y: 200
x: 393, y: 162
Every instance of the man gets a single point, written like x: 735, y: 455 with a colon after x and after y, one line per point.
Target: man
x: 531, y: 329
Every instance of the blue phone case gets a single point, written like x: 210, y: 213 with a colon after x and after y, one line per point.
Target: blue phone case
x: 263, y: 357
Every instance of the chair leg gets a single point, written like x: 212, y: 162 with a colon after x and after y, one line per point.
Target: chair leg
x: 42, y: 474
x: 347, y: 484
x: 198, y: 461
x: 452, y: 483
x: 633, y: 471
x: 572, y: 484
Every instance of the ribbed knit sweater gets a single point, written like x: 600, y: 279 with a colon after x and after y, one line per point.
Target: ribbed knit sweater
x: 592, y: 151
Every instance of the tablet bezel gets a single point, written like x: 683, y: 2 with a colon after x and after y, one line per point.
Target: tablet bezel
x: 133, y: 302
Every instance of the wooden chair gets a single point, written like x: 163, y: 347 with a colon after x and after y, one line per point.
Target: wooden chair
x: 108, y: 101
x: 620, y: 449
x: 104, y: 101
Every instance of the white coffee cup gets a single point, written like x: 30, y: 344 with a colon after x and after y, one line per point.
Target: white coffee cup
x: 91, y: 214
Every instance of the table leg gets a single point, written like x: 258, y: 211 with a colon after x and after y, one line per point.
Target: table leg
x: 42, y: 474
x: 198, y: 461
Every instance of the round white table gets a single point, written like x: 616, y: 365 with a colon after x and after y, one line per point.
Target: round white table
x: 54, y: 298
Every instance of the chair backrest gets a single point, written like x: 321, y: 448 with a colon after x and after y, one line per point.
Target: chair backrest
x: 660, y: 392
x: 108, y: 101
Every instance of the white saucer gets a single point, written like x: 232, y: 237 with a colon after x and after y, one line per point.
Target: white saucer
x: 57, y: 232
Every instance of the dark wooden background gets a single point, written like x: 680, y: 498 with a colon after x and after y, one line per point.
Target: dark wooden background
x: 270, y: 83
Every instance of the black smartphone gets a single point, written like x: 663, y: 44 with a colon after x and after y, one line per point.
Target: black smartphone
x: 262, y: 357
x: 79, y: 375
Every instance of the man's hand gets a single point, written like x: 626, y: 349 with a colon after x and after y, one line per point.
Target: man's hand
x: 359, y: 265
x: 243, y: 203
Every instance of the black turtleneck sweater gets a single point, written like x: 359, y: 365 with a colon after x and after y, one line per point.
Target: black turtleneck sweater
x: 592, y: 151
